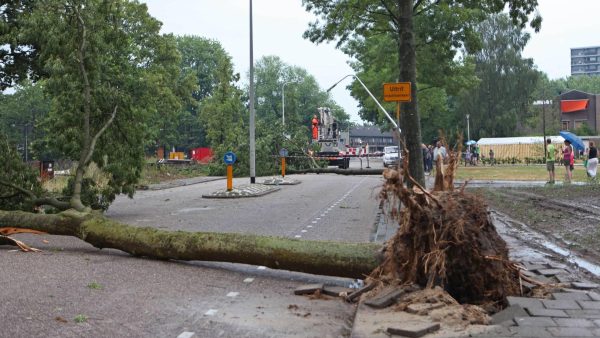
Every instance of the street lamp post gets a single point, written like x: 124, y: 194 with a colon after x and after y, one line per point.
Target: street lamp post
x: 468, y: 133
x: 252, y: 112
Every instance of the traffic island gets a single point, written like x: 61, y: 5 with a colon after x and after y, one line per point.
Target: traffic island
x: 248, y: 190
x: 280, y: 181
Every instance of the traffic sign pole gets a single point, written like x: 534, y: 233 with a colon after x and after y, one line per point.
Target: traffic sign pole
x: 283, y: 167
x: 229, y: 177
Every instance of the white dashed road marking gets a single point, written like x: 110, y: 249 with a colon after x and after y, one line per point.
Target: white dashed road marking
x: 186, y: 334
x: 233, y: 294
x: 248, y: 280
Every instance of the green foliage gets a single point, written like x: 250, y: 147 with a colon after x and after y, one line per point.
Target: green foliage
x: 95, y: 286
x: 80, y: 318
x: 585, y: 130
x: 18, y: 54
x: 21, y: 114
x: 14, y: 171
x: 92, y: 195
x: 101, y: 57
x: 501, y: 103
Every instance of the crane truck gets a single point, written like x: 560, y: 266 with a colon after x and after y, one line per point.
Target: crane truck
x: 331, y: 143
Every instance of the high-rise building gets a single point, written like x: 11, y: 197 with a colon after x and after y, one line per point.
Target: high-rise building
x: 585, y: 61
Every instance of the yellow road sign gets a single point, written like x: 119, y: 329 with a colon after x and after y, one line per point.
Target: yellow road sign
x: 400, y: 91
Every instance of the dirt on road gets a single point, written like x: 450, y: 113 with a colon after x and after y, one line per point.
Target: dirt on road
x: 568, y: 214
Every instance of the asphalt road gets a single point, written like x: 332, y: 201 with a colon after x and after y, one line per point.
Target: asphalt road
x: 322, y: 207
x: 74, y: 290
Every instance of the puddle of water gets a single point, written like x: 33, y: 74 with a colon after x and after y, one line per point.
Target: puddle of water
x: 527, y: 234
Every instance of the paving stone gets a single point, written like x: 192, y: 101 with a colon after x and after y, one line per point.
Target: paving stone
x: 534, y: 266
x: 572, y: 290
x: 584, y: 285
x: 589, y: 304
x: 508, y: 314
x: 335, y: 290
x: 551, y: 272
x: 571, y: 296
x: 594, y: 295
x: 561, y: 304
x: 555, y: 265
x: 537, y: 312
x: 386, y: 299
x: 308, y: 289
x: 574, y: 322
x: 571, y: 332
x: 565, y: 278
x: 534, y: 321
x: 584, y: 313
x: 525, y: 302
x: 528, y: 285
x: 543, y: 279
x: 527, y: 331
x: 354, y: 295
x: 423, y: 308
x: 528, y: 273
x: 414, y: 329
x: 597, y: 322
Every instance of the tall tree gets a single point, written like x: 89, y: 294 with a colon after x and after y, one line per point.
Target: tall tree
x: 446, y: 24
x: 501, y: 104
x: 20, y: 116
x: 110, y: 75
x: 202, y: 61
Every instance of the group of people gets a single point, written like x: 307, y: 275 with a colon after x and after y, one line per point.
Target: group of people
x: 432, y: 154
x: 568, y: 159
x: 472, y: 156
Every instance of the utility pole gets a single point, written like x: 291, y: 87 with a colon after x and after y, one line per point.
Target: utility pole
x: 468, y: 133
x: 252, y: 112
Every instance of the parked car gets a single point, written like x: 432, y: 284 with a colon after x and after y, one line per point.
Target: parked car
x: 390, y: 156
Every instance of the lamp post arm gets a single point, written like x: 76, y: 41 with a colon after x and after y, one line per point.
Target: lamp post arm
x: 372, y: 96
x: 378, y: 104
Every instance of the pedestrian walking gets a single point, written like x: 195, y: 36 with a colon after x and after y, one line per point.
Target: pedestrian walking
x: 567, y: 152
x: 592, y: 162
x: 468, y: 157
x: 550, y: 159
x: 492, y: 156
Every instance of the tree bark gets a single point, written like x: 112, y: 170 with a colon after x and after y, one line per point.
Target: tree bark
x: 409, y: 118
x: 355, y: 260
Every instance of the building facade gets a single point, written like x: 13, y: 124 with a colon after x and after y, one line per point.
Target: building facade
x: 577, y: 108
x: 371, y: 135
x: 585, y: 61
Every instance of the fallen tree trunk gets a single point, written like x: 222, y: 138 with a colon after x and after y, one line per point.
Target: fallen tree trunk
x: 354, y: 260
x: 336, y: 171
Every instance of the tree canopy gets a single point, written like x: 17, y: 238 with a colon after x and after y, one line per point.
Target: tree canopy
x: 442, y: 27
x: 110, y: 75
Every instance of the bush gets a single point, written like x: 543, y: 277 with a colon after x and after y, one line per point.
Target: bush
x: 14, y: 171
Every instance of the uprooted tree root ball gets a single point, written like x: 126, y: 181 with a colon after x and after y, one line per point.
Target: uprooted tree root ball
x: 445, y: 239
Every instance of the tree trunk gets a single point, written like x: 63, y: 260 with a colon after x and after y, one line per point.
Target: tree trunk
x: 409, y: 117
x: 355, y: 260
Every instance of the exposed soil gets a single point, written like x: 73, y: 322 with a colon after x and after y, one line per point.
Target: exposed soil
x: 570, y: 215
x: 445, y: 239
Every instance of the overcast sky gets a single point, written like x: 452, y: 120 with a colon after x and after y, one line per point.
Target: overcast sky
x: 279, y: 24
